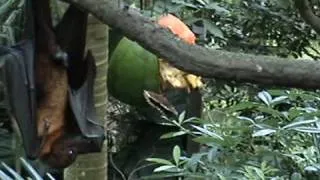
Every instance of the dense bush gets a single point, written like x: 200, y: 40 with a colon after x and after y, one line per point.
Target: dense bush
x: 272, y: 137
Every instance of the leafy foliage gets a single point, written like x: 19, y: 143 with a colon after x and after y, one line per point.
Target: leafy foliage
x: 247, y: 132
x: 254, y: 26
x: 261, y: 139
x: 11, y: 20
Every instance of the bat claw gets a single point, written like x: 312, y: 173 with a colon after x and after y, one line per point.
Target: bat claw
x: 61, y: 57
x: 46, y: 127
x: 47, y: 124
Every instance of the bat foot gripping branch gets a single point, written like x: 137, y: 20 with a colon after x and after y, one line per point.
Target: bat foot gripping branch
x: 61, y: 57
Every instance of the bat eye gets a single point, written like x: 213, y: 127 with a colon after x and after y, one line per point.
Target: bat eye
x: 70, y: 152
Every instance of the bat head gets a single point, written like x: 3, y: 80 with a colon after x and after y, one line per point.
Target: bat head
x: 65, y: 150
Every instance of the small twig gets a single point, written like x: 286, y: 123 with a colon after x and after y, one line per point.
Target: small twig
x: 114, y: 166
x: 139, y: 168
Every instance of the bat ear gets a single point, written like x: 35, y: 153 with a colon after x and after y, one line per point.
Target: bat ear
x: 71, y: 37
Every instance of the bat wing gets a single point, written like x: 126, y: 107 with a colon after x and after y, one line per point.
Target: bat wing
x: 82, y: 104
x: 17, y: 76
x: 71, y: 36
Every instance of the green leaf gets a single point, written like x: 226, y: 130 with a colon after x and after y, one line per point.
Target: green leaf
x: 163, y: 168
x: 259, y: 173
x: 294, y: 113
x: 184, y: 3
x: 206, y: 140
x: 172, y: 134
x: 279, y: 99
x: 214, y: 116
x: 176, y: 154
x: 4, y: 8
x: 213, y: 28
x: 159, y: 161
x: 295, y: 124
x: 207, y: 132
x: 246, y: 119
x: 217, y: 8
x: 277, y: 92
x: 194, y: 160
x: 270, y: 111
x: 213, y: 154
x: 282, y: 3
x: 307, y: 129
x: 241, y: 106
x: 265, y: 97
x: 181, y: 117
x: 162, y: 175
x: 191, y: 20
x: 202, y: 2
x: 263, y: 132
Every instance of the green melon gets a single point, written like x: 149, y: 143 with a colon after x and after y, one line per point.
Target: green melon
x: 132, y: 69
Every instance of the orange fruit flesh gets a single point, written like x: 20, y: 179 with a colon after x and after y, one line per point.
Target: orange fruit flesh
x: 169, y: 74
x: 177, y: 27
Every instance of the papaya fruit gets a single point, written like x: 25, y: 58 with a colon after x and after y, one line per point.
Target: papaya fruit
x: 133, y: 69
x: 177, y: 27
x: 170, y: 75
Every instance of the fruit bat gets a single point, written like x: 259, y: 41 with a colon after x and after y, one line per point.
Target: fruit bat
x: 50, y: 86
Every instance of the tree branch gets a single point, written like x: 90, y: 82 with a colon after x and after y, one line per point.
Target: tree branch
x: 307, y: 14
x: 202, y: 61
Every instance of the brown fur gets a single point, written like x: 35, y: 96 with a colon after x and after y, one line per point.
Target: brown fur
x: 52, y: 108
x: 59, y: 146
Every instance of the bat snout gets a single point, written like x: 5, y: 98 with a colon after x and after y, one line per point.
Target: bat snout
x: 65, y: 150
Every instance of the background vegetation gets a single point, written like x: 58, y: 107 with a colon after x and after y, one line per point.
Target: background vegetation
x: 247, y: 131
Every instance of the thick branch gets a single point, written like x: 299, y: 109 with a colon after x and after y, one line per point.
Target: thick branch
x: 265, y: 70
x: 307, y: 14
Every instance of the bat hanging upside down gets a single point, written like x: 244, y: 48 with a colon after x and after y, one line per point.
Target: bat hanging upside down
x: 60, y: 70
x: 50, y: 87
